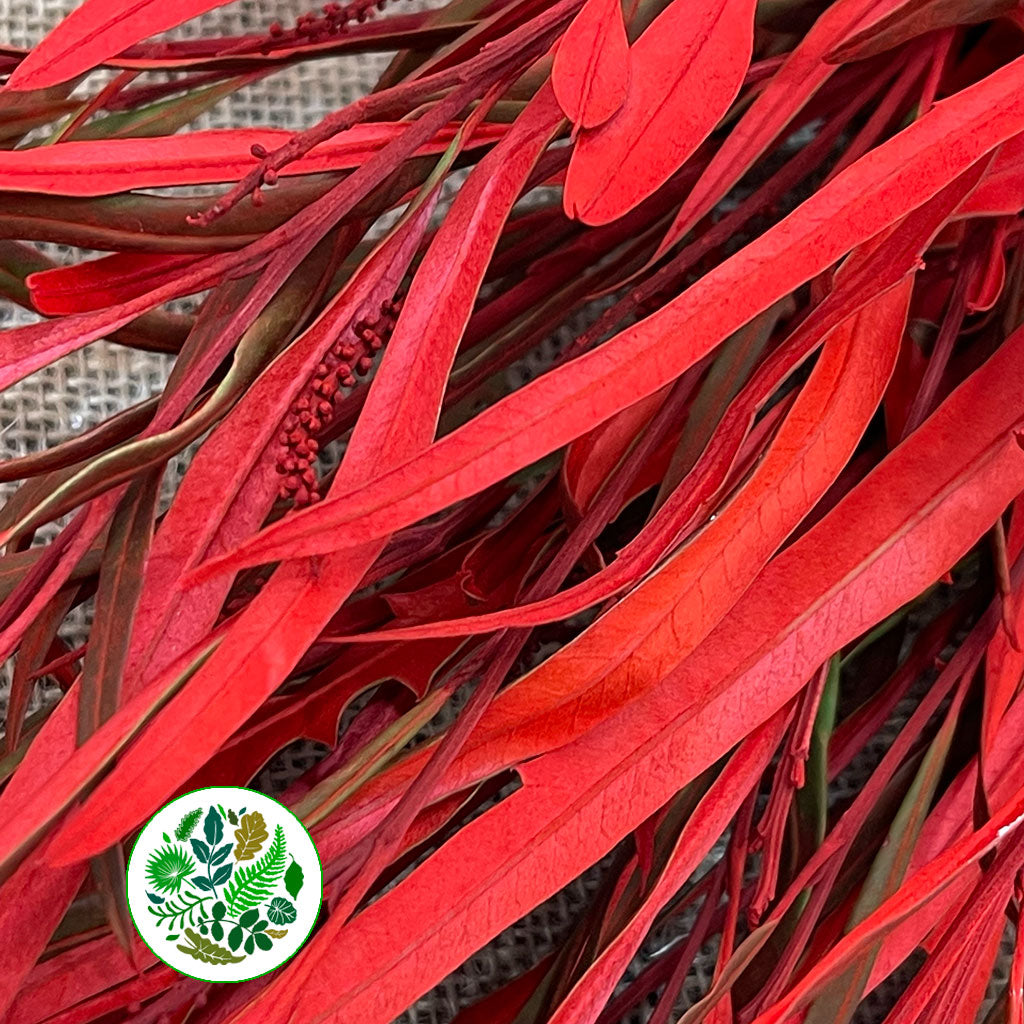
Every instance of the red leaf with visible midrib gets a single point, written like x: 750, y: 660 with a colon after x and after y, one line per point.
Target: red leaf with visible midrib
x: 104, y: 166
x: 686, y: 70
x: 1004, y: 662
x: 795, y: 471
x: 803, y: 73
x: 291, y: 589
x: 108, y: 281
x: 663, y: 620
x: 869, y: 196
x: 703, y: 828
x: 266, y: 640
x: 1001, y: 191
x: 895, y: 21
x: 71, y: 977
x: 96, y: 30
x: 590, y: 74
x: 893, y: 535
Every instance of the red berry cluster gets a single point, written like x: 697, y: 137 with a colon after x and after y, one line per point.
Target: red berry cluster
x: 334, y: 21
x: 314, y: 408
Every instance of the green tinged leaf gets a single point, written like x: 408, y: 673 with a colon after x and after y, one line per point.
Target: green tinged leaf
x: 253, y: 883
x: 208, y: 951
x: 839, y: 1001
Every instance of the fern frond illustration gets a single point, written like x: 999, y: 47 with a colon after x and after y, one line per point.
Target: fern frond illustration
x: 254, y: 883
x: 187, y: 825
x: 168, y: 867
x: 173, y: 913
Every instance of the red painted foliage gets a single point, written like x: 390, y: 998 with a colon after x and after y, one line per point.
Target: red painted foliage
x: 597, y: 437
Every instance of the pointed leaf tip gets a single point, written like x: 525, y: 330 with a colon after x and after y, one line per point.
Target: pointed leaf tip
x: 96, y: 30
x: 590, y: 74
x: 685, y: 71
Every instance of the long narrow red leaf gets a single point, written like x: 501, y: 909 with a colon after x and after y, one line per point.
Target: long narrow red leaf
x: 789, y: 90
x: 96, y: 30
x: 867, y: 197
x: 301, y: 597
x: 889, y: 538
x: 94, y: 168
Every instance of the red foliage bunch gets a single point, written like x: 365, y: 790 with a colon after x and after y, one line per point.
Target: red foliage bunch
x: 756, y: 526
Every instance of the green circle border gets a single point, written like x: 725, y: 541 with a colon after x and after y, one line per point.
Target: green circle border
x: 232, y: 981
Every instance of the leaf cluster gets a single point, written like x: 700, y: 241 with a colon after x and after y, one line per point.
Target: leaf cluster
x: 604, y: 435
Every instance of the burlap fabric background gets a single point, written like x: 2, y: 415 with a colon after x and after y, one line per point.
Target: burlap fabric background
x: 86, y: 387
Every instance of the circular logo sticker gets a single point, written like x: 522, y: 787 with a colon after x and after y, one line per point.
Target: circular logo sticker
x: 224, y: 884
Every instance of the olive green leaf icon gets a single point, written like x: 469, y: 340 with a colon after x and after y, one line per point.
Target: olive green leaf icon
x: 208, y: 951
x: 251, y: 835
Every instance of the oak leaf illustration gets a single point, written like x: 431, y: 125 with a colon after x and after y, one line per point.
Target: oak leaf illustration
x: 251, y: 835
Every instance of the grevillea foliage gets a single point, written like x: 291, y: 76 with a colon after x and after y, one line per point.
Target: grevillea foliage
x: 727, y: 600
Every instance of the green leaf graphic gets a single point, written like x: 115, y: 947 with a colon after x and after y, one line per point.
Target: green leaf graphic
x: 221, y: 854
x: 263, y: 941
x: 187, y: 824
x: 253, y: 883
x: 281, y: 911
x: 293, y: 878
x: 251, y: 836
x: 222, y: 874
x: 235, y: 937
x: 174, y: 912
x: 213, y: 826
x: 277, y: 933
x: 168, y: 867
x: 232, y: 817
x: 208, y: 951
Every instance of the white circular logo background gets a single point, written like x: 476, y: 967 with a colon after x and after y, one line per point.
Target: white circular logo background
x: 224, y: 884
